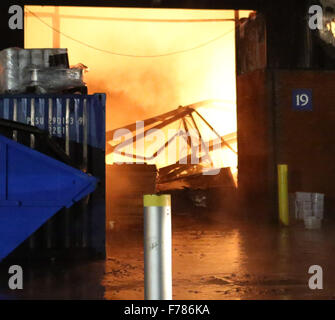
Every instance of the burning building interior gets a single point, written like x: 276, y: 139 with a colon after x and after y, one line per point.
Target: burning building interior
x: 226, y: 107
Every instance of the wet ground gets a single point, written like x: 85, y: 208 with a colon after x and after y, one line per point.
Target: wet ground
x: 227, y: 260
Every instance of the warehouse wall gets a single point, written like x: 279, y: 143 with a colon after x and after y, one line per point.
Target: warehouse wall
x: 256, y: 178
x: 271, y: 131
x: 271, y: 63
x: 305, y: 140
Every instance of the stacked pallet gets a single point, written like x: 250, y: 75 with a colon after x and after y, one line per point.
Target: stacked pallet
x: 125, y: 186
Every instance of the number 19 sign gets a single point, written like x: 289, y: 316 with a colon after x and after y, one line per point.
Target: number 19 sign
x: 302, y: 100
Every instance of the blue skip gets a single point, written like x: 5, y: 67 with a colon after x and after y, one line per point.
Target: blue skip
x: 33, y: 187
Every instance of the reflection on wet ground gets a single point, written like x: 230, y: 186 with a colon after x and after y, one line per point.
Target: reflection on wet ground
x: 230, y: 260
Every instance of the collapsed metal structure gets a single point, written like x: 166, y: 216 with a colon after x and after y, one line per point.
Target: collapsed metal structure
x: 187, y: 124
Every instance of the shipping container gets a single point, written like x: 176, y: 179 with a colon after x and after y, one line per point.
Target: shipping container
x: 77, y: 124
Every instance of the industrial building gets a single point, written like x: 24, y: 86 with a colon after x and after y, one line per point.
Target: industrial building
x: 224, y: 106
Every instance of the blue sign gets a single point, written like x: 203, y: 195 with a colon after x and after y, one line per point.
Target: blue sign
x: 302, y: 100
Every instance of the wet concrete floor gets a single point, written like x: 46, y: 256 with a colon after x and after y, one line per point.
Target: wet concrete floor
x: 227, y: 260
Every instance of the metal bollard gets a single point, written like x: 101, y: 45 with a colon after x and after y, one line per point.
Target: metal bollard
x: 283, y: 195
x: 157, y: 247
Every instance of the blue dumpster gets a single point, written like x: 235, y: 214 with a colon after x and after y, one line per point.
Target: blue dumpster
x: 33, y: 187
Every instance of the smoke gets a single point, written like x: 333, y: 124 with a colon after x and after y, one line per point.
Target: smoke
x: 138, y: 87
x: 135, y: 92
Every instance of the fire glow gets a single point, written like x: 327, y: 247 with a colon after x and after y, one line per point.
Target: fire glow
x: 148, y: 61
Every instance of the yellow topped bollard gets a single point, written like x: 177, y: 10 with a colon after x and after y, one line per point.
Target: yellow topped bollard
x: 283, y: 195
x: 157, y: 247
x: 153, y: 200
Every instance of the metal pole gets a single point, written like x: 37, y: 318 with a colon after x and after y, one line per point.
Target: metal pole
x: 283, y: 195
x: 157, y: 247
